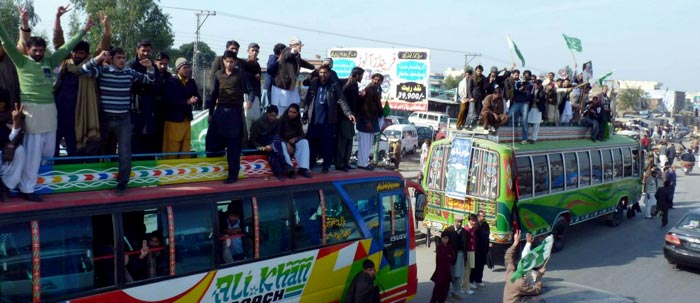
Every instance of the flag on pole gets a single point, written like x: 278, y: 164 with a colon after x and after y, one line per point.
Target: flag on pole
x: 602, y: 78
x: 534, y: 258
x: 515, y: 49
x: 386, y: 110
x: 573, y: 43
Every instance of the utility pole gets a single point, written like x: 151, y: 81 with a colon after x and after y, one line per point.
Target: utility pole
x: 195, y: 52
x: 468, y: 57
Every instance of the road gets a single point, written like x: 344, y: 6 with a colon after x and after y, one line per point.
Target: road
x: 626, y: 260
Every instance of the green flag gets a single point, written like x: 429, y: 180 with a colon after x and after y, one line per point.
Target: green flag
x: 387, y: 109
x: 515, y: 49
x: 534, y: 258
x: 573, y: 43
x: 603, y: 77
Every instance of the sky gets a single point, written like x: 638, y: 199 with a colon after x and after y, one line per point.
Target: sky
x: 639, y: 39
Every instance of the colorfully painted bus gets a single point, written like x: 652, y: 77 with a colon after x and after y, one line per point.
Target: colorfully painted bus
x: 563, y: 179
x: 181, y: 235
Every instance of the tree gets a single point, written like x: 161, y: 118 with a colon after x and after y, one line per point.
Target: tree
x: 452, y: 81
x: 9, y: 16
x: 131, y: 22
x: 630, y: 99
x: 204, y: 59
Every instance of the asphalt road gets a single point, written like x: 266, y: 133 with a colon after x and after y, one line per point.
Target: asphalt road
x: 626, y: 260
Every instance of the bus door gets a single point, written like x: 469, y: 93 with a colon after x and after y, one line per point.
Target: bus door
x: 394, y: 229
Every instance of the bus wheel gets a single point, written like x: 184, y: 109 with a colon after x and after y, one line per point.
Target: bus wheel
x: 615, y: 218
x: 558, y: 232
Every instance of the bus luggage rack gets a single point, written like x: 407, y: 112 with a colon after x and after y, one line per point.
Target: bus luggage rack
x: 505, y: 134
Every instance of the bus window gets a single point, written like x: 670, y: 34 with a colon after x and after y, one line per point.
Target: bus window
x: 145, y: 228
x: 309, y: 216
x: 541, y: 175
x: 475, y: 162
x: 556, y: 166
x: 524, y: 177
x: 436, y: 173
x: 16, y: 259
x: 273, y: 217
x: 488, y: 178
x: 394, y: 213
x: 103, y: 250
x: 636, y: 160
x: 572, y: 174
x: 584, y: 168
x: 340, y: 223
x: 608, y: 165
x: 596, y: 167
x: 237, y: 232
x: 194, y: 244
x: 628, y: 162
x: 365, y: 197
x: 617, y: 159
x: 67, y: 246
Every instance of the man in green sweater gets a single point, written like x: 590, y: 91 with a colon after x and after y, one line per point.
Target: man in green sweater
x: 36, y: 80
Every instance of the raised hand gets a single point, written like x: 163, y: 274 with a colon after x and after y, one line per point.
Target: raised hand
x: 103, y: 56
x: 89, y: 23
x: 24, y: 14
x: 144, y: 249
x: 62, y: 10
x: 146, y: 63
x: 17, y: 114
x: 102, y: 17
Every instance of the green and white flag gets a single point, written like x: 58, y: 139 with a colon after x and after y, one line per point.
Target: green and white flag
x: 573, y: 43
x: 534, y: 258
x: 515, y: 49
x: 602, y: 78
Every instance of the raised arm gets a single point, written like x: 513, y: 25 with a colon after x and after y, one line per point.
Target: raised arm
x: 93, y: 67
x: 64, y: 50
x: 24, y: 31
x: 58, y: 39
x: 147, y: 78
x: 13, y: 53
x: 106, y: 41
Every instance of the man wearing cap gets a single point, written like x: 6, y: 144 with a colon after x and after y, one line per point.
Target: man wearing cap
x: 252, y: 106
x: 458, y: 239
x: 466, y: 105
x: 180, y: 94
x: 285, y: 90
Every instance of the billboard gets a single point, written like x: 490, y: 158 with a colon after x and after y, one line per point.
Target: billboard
x: 406, y: 73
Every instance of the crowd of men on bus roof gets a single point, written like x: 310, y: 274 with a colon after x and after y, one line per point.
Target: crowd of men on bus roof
x: 94, y: 105
x: 504, y: 97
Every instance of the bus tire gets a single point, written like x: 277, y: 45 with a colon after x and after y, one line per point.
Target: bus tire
x: 559, y: 232
x: 616, y: 217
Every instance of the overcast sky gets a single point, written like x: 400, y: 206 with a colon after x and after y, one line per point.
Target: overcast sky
x: 640, y: 39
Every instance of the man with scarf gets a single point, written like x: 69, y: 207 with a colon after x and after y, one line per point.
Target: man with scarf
x: 36, y: 80
x: 146, y: 138
x: 77, y: 96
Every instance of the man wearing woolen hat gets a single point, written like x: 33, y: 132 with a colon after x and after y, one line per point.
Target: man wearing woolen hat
x: 180, y: 94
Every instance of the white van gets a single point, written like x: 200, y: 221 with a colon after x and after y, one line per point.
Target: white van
x: 434, y: 120
x: 407, y: 134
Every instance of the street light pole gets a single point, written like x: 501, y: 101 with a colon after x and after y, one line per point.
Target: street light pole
x: 195, y: 52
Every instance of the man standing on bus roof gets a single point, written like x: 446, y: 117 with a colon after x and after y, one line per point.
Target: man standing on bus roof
x: 225, y: 106
x: 36, y: 85
x: 465, y: 104
x: 362, y: 288
x: 369, y: 113
x: 458, y: 239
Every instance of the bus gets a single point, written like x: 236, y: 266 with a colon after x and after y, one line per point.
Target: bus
x: 182, y: 235
x: 561, y: 180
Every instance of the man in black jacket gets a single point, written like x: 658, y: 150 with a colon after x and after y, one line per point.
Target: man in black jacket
x: 321, y: 103
x: 346, y: 129
x: 663, y: 201
x: 284, y: 91
x: 458, y: 239
x: 272, y: 66
x: 181, y: 94
x: 145, y: 137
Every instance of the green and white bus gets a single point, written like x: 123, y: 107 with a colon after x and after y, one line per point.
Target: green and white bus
x: 562, y: 180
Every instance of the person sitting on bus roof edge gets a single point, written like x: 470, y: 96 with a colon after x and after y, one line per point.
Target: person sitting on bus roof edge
x: 36, y: 85
x: 370, y: 119
x: 226, y: 126
x: 362, y: 288
x: 445, y: 256
x: 12, y: 151
x: 514, y: 291
x: 492, y: 114
x: 590, y: 117
x: 115, y: 117
x: 181, y: 94
x: 265, y: 136
x: 323, y: 103
x: 294, y: 139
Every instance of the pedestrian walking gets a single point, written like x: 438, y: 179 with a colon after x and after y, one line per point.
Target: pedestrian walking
x: 444, y: 258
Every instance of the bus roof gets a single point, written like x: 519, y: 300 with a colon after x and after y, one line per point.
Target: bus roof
x: 102, y: 197
x: 573, y: 144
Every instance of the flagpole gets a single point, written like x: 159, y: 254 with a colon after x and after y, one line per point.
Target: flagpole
x: 512, y: 51
x: 575, y: 64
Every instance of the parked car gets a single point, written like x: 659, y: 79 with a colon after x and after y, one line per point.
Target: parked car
x: 682, y: 242
x: 393, y: 120
x: 407, y: 134
x: 424, y: 133
x: 433, y: 120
